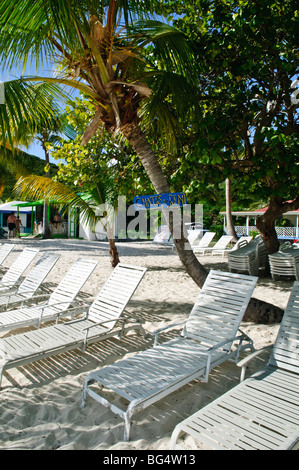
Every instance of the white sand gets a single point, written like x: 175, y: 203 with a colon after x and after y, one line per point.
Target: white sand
x: 40, y: 402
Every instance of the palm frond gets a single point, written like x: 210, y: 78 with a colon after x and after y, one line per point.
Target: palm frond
x: 39, y: 187
x: 29, y: 107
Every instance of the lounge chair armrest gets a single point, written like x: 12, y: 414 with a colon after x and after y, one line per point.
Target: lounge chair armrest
x: 165, y: 328
x: 39, y: 296
x: 100, y: 323
x: 245, y: 360
x: 61, y: 312
x: 8, y: 292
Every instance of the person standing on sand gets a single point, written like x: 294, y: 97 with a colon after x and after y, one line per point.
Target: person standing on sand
x: 18, y: 226
x: 12, y: 224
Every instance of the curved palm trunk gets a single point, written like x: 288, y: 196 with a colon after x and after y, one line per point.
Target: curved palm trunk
x: 149, y: 160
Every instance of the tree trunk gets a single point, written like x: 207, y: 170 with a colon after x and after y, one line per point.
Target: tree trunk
x: 154, y: 171
x: 229, y: 219
x: 266, y: 224
x: 114, y: 258
x: 46, y: 227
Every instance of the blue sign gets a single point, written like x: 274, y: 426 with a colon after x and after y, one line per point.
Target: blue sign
x: 160, y: 201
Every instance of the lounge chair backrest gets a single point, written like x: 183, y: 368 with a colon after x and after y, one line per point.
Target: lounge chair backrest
x: 206, y: 240
x: 68, y: 288
x: 5, y: 250
x: 116, y: 293
x: 19, y: 265
x: 285, y: 353
x: 222, y: 242
x: 162, y: 235
x: 37, y: 274
x: 220, y: 307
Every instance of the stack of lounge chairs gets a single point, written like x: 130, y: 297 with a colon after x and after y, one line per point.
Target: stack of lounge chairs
x: 249, y: 258
x: 285, y: 262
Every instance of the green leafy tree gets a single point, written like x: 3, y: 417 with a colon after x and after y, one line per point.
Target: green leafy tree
x: 247, y: 55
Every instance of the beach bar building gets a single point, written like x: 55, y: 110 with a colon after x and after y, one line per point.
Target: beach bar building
x: 24, y: 213
x: 290, y: 232
x: 36, y: 208
x: 70, y: 226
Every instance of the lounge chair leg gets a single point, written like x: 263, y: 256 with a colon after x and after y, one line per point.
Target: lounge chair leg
x: 84, y: 393
x: 127, y: 426
x: 174, y: 437
x: 1, y: 374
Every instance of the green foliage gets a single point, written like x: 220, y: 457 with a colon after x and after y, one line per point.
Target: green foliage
x: 247, y: 57
x: 104, y: 166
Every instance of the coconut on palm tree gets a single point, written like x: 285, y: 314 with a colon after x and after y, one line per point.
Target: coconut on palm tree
x: 97, y: 50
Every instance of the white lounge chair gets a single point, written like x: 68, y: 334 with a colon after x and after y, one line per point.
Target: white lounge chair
x: 249, y: 258
x: 58, y: 304
x: 206, y: 341
x: 163, y: 237
x: 219, y: 246
x: 98, y: 324
x: 30, y: 286
x: 261, y: 413
x: 243, y: 241
x: 17, y: 268
x: 4, y: 252
x: 285, y: 263
x: 204, y: 242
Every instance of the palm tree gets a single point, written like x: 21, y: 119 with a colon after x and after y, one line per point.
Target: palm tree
x: 100, y: 52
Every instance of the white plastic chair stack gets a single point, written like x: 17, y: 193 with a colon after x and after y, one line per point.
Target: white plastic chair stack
x: 249, y: 258
x: 285, y: 263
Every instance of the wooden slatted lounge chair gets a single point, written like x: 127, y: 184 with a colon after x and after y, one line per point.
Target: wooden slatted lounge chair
x: 100, y: 322
x: 206, y: 341
x: 261, y: 413
x: 17, y: 268
x: 249, y: 258
x: 30, y: 286
x: 5, y: 249
x: 219, y: 246
x: 59, y: 302
x: 204, y: 242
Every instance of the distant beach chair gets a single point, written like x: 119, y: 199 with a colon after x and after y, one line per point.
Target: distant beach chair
x: 4, y: 252
x: 203, y: 242
x: 99, y: 323
x: 163, y: 237
x: 205, y: 342
x: 219, y: 246
x: 261, y: 413
x: 30, y: 286
x: 250, y: 258
x: 59, y: 302
x: 285, y: 263
x: 17, y: 268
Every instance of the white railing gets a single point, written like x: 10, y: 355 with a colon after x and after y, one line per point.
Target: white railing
x: 291, y: 232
